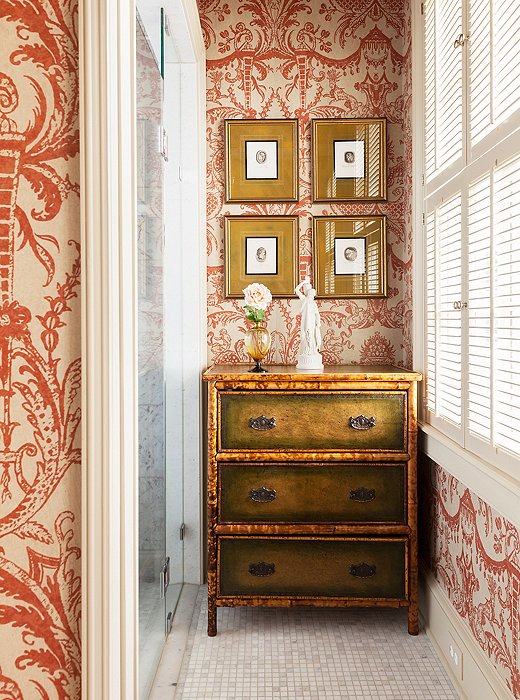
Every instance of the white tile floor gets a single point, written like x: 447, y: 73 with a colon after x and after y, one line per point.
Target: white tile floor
x: 308, y: 654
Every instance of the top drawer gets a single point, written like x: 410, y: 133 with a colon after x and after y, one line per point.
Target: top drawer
x: 361, y: 421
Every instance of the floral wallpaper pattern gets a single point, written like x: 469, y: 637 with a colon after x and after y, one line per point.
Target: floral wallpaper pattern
x: 40, y: 478
x: 474, y: 553
x: 309, y: 59
x: 293, y: 58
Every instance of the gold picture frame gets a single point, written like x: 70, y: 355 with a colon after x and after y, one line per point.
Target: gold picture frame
x: 261, y: 160
x: 349, y: 160
x: 261, y: 249
x: 350, y: 256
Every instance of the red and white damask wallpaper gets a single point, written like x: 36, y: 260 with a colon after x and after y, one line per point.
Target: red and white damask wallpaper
x: 276, y: 58
x: 309, y: 59
x: 474, y: 553
x: 39, y: 351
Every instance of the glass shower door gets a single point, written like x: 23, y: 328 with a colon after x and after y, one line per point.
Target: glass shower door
x: 150, y: 261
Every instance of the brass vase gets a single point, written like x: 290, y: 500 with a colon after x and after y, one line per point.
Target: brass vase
x: 257, y: 341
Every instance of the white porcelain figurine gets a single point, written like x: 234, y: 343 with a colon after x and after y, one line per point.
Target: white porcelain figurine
x: 310, y: 328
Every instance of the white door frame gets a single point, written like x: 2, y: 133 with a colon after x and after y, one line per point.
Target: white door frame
x: 185, y: 270
x: 109, y: 347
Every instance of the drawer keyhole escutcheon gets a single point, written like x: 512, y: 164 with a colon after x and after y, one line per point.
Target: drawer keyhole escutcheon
x: 262, y: 495
x: 362, y: 570
x: 361, y: 422
x: 262, y: 423
x: 261, y: 568
x: 362, y: 494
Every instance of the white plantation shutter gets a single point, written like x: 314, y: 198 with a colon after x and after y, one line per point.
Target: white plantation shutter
x: 480, y: 72
x: 431, y: 305
x: 494, y: 309
x: 479, y: 308
x: 494, y: 64
x: 449, y: 329
x: 444, y: 288
x: 506, y: 306
x: 430, y: 90
x: 472, y: 225
x: 506, y: 59
x: 443, y: 81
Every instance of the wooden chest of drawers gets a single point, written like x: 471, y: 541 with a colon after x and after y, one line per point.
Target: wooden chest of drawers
x: 312, y: 494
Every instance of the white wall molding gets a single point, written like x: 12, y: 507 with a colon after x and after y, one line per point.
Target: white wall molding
x: 109, y: 434
x: 191, y: 10
x: 194, y: 286
x: 109, y: 340
x: 185, y: 281
x: 418, y: 194
x: 476, y: 676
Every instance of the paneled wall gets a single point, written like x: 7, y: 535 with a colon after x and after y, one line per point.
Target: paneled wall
x: 39, y: 351
x: 308, y: 59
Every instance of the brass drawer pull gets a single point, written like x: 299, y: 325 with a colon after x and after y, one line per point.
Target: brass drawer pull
x: 262, y: 423
x: 362, y: 570
x: 362, y: 495
x: 261, y: 569
x: 262, y: 495
x: 362, y: 422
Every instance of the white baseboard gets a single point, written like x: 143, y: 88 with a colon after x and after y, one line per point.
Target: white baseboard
x: 475, y: 677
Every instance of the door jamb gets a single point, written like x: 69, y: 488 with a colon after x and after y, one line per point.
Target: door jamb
x: 109, y: 348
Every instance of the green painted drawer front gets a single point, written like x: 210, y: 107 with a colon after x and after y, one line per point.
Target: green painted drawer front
x: 312, y: 421
x: 311, y: 493
x: 312, y: 567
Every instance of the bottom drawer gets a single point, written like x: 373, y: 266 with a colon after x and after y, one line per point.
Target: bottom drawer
x: 339, y: 567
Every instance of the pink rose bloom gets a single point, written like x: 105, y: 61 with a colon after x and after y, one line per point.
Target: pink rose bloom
x: 257, y: 296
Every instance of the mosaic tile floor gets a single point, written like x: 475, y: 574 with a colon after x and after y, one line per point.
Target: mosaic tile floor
x: 309, y: 654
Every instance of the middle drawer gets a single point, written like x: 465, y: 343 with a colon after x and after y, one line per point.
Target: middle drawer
x: 312, y: 493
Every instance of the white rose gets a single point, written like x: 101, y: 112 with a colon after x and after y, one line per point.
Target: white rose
x: 257, y: 296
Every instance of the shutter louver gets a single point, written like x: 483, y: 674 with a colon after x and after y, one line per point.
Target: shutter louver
x: 449, y: 328
x: 430, y: 95
x: 494, y: 65
x: 506, y: 59
x: 443, y: 85
x: 506, y: 306
x: 480, y: 69
x: 431, y: 330
x: 479, y: 308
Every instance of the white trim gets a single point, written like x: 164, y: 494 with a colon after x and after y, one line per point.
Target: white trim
x: 191, y: 12
x: 476, y: 677
x: 109, y: 343
x: 498, y: 489
x: 194, y: 286
x: 419, y: 263
x: 109, y: 508
x: 185, y: 281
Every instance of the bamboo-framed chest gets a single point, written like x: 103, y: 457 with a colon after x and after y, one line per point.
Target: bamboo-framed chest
x: 312, y: 488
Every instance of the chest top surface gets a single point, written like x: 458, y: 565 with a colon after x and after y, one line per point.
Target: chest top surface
x: 356, y: 373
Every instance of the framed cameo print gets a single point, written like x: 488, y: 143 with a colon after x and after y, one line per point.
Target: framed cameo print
x: 349, y: 160
x: 261, y: 249
x: 350, y: 256
x: 261, y: 160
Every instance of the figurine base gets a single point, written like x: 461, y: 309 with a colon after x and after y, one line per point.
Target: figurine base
x: 310, y: 361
